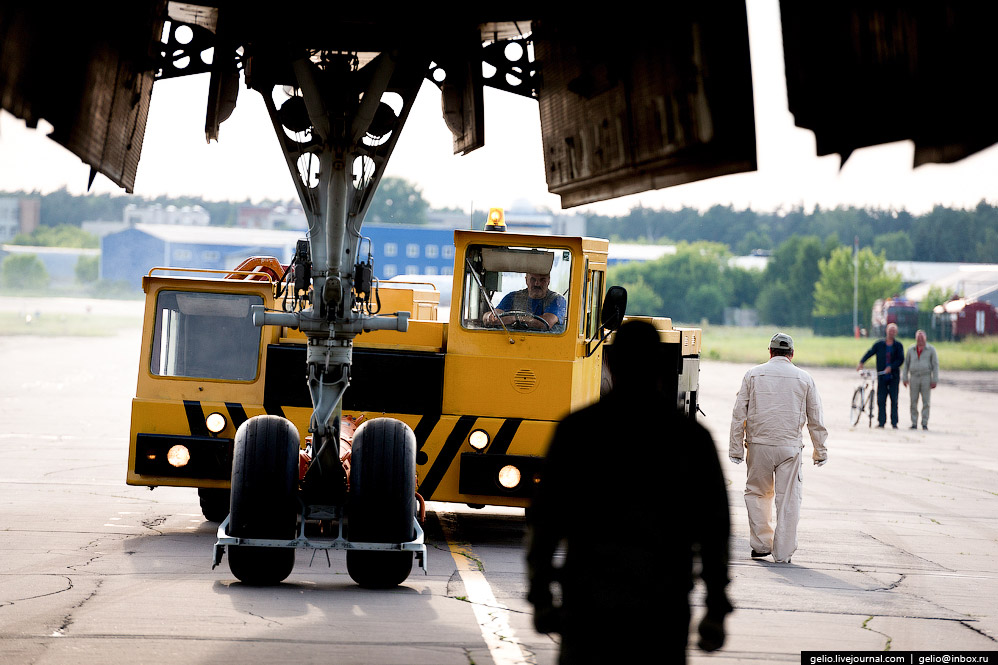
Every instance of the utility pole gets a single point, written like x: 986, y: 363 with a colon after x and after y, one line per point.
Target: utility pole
x: 855, y: 286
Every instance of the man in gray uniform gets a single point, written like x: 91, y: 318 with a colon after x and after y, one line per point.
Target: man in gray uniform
x: 921, y: 367
x: 776, y: 400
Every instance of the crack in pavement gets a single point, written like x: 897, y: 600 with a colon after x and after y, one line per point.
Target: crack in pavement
x: 499, y: 608
x: 891, y: 587
x: 67, y: 620
x: 93, y: 544
x: 69, y: 583
x: 270, y: 622
x: 454, y: 580
x: 865, y: 626
x: 152, y: 523
x: 491, y: 615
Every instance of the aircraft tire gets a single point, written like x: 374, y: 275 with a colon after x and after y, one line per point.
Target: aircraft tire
x: 382, y: 502
x: 264, y: 498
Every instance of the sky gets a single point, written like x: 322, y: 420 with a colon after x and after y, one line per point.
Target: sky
x: 246, y: 162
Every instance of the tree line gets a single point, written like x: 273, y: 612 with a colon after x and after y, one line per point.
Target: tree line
x: 943, y: 234
x: 396, y: 201
x: 806, y: 281
x: 810, y: 272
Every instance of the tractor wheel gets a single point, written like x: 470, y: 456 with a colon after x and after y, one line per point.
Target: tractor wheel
x: 856, y: 409
x: 264, y: 498
x: 382, y: 503
x: 214, y: 503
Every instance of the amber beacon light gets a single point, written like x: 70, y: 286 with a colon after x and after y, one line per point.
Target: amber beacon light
x: 496, y: 221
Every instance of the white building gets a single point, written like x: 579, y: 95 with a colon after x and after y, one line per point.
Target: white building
x: 156, y: 213
x: 975, y: 281
x: 278, y: 218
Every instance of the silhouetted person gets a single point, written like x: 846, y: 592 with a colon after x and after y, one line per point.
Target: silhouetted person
x: 635, y: 491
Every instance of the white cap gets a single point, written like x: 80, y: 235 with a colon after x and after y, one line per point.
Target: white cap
x: 782, y: 341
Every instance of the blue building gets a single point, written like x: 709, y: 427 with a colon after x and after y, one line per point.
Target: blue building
x: 408, y: 250
x: 396, y: 249
x: 128, y: 255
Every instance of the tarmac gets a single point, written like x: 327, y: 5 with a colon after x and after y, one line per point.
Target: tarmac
x: 898, y: 536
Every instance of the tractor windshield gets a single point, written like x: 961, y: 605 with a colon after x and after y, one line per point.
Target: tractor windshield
x: 206, y: 336
x: 521, y: 288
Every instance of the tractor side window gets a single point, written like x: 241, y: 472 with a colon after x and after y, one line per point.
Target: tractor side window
x: 516, y: 288
x: 205, y: 336
x: 593, y: 303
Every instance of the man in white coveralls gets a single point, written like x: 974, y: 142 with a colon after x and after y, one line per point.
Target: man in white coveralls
x: 774, y: 403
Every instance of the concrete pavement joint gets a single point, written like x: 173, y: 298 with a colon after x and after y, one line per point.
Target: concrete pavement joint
x: 74, y: 469
x: 836, y: 612
x: 906, y: 552
x: 963, y: 622
x: 928, y: 480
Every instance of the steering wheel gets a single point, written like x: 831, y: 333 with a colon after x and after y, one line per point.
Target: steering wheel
x: 519, y: 312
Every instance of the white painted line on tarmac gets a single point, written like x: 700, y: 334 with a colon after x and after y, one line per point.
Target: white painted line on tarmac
x: 492, y: 616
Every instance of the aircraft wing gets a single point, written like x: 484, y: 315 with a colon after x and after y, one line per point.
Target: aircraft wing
x: 627, y: 102
x: 85, y: 68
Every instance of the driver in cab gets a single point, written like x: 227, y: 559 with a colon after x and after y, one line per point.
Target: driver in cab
x: 536, y: 306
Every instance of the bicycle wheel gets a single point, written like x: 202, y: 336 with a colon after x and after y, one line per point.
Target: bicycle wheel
x: 856, y: 410
x: 869, y: 406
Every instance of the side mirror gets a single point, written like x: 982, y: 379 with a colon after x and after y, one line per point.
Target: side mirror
x: 614, y: 305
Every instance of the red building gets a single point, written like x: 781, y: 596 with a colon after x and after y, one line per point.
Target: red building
x: 962, y: 317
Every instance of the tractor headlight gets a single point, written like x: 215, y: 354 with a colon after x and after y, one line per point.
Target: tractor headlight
x: 215, y: 422
x: 178, y: 455
x: 479, y: 439
x: 509, y: 476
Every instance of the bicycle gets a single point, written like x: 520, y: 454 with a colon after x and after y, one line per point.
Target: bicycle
x: 862, y: 397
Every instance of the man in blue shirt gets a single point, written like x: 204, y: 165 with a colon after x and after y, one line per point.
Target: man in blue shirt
x: 890, y: 358
x: 536, y: 306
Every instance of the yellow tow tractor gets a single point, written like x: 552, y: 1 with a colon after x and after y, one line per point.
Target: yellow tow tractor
x: 457, y: 407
